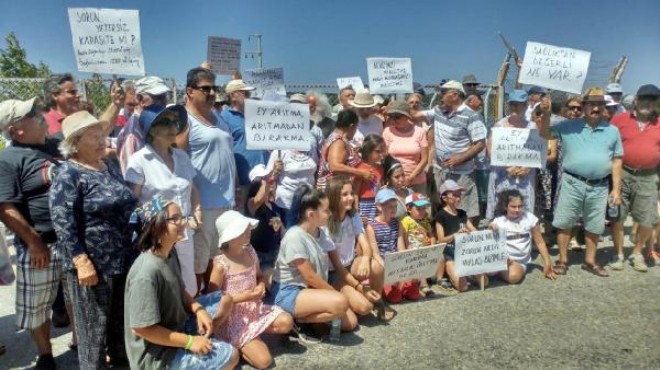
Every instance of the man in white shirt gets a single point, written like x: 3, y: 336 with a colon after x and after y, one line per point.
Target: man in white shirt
x: 369, y: 123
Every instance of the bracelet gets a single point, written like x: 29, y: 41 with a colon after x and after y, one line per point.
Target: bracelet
x: 189, y: 343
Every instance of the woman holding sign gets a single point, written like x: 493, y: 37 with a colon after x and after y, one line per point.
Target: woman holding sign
x: 514, y: 177
x: 521, y: 228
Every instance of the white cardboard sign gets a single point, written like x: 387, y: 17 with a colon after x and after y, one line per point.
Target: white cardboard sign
x: 266, y: 80
x: 224, y: 55
x: 555, y: 67
x: 410, y: 264
x: 107, y: 40
x: 390, y: 75
x: 277, y: 125
x: 480, y: 252
x: 355, y: 82
x: 518, y: 147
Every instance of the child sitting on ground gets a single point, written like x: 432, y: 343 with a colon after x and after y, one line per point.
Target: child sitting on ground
x: 418, y: 227
x: 387, y: 234
x: 395, y: 180
x: 521, y: 227
x: 450, y: 220
x: 236, y: 271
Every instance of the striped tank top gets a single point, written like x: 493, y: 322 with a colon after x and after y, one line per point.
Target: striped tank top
x: 386, y: 235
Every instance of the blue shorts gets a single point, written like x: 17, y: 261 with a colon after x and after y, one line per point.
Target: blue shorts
x: 221, y: 352
x: 284, y: 296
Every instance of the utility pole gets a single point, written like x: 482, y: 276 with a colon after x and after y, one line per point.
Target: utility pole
x: 256, y: 53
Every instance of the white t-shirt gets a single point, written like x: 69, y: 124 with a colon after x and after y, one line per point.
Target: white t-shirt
x: 299, y: 169
x: 148, y: 169
x: 371, y: 125
x: 351, y: 228
x: 518, y: 236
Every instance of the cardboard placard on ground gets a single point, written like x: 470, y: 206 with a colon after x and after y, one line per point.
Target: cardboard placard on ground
x: 224, y: 55
x: 390, y: 75
x: 107, y: 40
x: 355, y: 82
x: 480, y: 252
x: 277, y: 125
x: 411, y: 264
x: 518, y: 147
x: 555, y: 67
x: 266, y: 80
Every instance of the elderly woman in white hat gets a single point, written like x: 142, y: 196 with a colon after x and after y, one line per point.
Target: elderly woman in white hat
x: 160, y: 169
x: 90, y: 208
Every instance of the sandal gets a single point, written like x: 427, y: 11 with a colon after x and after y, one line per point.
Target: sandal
x: 384, y: 312
x: 595, y: 269
x: 560, y: 268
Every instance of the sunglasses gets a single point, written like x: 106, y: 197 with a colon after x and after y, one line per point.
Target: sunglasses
x: 395, y: 116
x: 574, y: 107
x: 207, y: 89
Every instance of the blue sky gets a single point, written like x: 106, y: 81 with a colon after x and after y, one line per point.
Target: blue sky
x: 318, y: 41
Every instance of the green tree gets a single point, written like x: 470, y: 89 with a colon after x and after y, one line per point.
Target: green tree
x: 14, y: 63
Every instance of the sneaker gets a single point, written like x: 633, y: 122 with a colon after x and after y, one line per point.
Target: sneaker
x: 303, y: 338
x: 445, y: 288
x: 45, y: 362
x: 617, y: 263
x: 637, y: 262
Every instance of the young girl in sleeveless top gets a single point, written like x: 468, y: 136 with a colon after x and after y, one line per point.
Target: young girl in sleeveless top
x: 372, y: 151
x: 387, y: 234
x: 236, y: 271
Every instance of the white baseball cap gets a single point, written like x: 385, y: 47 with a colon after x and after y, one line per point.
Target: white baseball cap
x: 453, y: 85
x: 12, y: 111
x: 151, y: 85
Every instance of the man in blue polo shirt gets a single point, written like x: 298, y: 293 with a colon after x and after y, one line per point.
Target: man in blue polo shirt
x: 238, y: 91
x: 592, y: 151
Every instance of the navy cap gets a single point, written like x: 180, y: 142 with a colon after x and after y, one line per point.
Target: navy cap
x: 648, y: 90
x: 536, y: 90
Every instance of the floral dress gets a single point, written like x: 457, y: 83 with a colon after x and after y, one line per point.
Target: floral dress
x: 247, y: 319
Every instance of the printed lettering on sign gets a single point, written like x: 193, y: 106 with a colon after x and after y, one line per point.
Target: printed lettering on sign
x: 480, y: 252
x: 277, y: 125
x: 555, y: 67
x: 518, y: 147
x: 107, y: 40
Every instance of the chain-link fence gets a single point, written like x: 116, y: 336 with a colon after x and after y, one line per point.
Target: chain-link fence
x: 95, y: 91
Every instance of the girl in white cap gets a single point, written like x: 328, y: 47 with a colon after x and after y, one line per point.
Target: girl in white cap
x: 236, y: 272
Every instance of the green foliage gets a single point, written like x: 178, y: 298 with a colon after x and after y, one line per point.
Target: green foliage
x: 98, y: 92
x: 14, y: 63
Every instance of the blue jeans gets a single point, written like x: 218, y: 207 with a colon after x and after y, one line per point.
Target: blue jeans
x: 221, y: 352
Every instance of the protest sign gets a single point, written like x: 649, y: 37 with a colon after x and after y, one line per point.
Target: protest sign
x: 412, y: 264
x: 480, y: 252
x: 390, y: 75
x: 107, y: 40
x: 555, y: 67
x: 224, y: 55
x: 277, y: 125
x: 518, y: 147
x: 266, y: 80
x: 355, y: 82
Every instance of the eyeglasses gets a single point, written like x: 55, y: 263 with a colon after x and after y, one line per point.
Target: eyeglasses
x: 207, y: 89
x: 395, y: 116
x: 179, y: 219
x: 246, y: 93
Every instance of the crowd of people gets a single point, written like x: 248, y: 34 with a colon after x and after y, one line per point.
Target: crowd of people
x: 165, y: 242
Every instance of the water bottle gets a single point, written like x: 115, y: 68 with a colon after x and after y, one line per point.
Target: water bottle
x: 335, y: 330
x: 612, y: 210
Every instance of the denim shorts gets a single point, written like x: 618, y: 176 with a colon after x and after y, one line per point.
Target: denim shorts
x: 284, y: 296
x: 221, y: 352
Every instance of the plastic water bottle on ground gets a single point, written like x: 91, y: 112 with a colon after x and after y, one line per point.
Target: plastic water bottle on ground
x: 335, y: 330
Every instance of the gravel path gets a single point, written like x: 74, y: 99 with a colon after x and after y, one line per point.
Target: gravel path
x: 579, y: 321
